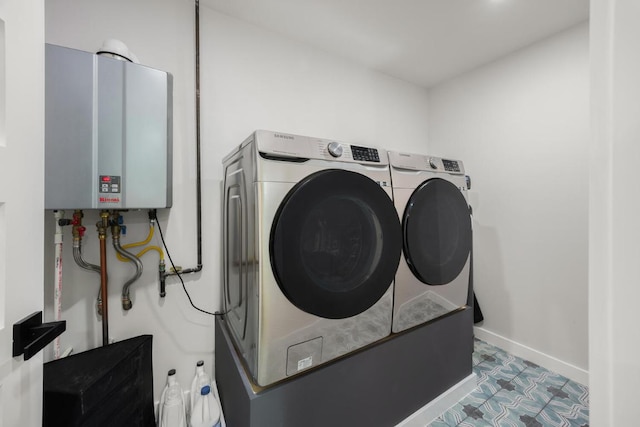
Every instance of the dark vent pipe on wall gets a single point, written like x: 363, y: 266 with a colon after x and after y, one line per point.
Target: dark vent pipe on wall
x: 198, y: 160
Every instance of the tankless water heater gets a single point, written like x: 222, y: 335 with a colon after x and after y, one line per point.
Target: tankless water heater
x: 108, y: 133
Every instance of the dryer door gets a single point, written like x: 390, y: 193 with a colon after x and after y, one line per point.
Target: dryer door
x: 436, y: 229
x: 335, y: 244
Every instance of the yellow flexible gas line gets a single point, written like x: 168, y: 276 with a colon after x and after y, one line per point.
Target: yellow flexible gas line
x: 150, y: 248
x: 142, y: 243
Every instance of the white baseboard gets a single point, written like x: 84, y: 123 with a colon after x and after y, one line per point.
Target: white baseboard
x: 441, y: 404
x: 549, y: 362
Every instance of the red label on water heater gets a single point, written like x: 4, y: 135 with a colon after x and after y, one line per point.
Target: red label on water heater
x: 109, y: 199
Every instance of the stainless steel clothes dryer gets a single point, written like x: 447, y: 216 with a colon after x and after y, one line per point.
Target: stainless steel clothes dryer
x: 433, y: 276
x: 311, y: 246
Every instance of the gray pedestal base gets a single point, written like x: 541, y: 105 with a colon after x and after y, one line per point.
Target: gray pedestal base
x: 380, y: 385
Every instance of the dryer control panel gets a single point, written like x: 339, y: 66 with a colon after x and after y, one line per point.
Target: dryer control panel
x: 421, y: 162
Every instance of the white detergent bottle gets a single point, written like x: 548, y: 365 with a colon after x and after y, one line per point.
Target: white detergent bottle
x: 200, y: 379
x: 206, y: 412
x: 172, y: 408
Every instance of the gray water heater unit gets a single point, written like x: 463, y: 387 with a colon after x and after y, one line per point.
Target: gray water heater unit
x: 108, y: 133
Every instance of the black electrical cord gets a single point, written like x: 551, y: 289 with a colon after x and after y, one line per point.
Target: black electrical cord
x: 180, y: 276
x: 198, y: 267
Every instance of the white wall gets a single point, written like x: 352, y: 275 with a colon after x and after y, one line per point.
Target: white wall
x: 251, y: 79
x: 614, y: 229
x: 21, y: 202
x: 521, y: 127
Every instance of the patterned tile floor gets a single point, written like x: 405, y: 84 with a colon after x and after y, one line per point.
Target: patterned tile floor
x: 515, y: 392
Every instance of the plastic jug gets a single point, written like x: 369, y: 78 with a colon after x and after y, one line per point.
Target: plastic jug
x: 203, y: 408
x: 200, y: 380
x: 172, y: 408
x: 205, y: 412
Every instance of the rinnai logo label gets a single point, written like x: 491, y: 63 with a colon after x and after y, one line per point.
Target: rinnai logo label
x: 109, y: 199
x: 279, y: 135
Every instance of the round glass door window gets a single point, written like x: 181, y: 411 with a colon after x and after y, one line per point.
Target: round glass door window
x: 436, y: 230
x: 335, y: 244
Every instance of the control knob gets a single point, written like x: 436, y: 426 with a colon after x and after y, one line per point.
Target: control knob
x: 433, y: 164
x: 335, y: 149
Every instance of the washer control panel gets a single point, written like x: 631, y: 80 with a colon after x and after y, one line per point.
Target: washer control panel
x: 289, y: 147
x: 365, y: 153
x: 451, y: 165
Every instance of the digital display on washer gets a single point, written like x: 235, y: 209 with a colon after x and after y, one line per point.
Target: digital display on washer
x: 364, y: 153
x: 451, y: 165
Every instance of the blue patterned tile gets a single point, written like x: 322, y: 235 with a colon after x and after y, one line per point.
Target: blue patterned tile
x: 510, y: 409
x: 516, y: 363
x: 476, y: 358
x: 489, y: 358
x: 564, y: 403
x: 530, y: 421
x: 483, y: 347
x: 480, y: 368
x: 542, y: 376
x: 482, y: 352
x: 454, y: 415
x: 517, y: 392
x: 470, y: 422
x: 438, y: 423
x: 577, y: 392
x: 537, y: 385
x: 467, y: 407
x: 511, y: 369
x: 569, y: 408
x: 476, y: 398
x: 560, y: 415
x: 538, y: 392
x: 492, y: 378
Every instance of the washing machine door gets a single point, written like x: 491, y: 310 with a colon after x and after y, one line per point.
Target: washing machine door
x: 436, y: 228
x: 335, y: 244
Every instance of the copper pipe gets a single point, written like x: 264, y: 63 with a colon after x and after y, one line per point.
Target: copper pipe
x: 102, y: 234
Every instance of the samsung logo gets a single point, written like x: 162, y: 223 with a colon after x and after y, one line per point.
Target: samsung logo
x: 279, y: 135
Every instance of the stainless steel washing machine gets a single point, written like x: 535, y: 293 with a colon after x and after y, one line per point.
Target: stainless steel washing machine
x: 430, y: 195
x: 311, y: 246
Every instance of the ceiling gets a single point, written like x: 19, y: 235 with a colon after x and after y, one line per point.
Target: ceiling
x: 421, y: 41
